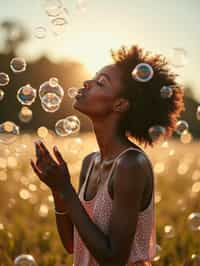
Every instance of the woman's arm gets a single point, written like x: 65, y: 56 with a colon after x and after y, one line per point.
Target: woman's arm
x: 64, y: 224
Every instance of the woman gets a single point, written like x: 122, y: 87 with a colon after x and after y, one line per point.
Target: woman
x: 111, y: 222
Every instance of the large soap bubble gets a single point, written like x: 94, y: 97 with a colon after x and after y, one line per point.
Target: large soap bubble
x: 26, y: 95
x: 25, y: 260
x: 142, y: 72
x: 51, y: 86
x: 18, y: 64
x: 60, y: 128
x: 8, y: 132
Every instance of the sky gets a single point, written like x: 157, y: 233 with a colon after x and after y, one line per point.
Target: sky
x: 157, y: 26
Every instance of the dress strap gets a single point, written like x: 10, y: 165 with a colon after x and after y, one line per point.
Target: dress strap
x: 116, y: 159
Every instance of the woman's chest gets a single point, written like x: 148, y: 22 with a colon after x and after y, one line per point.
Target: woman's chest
x: 96, y: 181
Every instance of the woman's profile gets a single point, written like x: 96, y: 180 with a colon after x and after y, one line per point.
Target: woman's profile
x: 111, y: 221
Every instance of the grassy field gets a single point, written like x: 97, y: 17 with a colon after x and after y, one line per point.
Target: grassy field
x: 27, y: 219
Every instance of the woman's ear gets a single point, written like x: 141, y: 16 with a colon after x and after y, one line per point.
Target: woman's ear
x: 121, y: 105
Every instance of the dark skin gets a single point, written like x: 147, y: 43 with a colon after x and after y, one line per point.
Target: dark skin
x: 131, y: 179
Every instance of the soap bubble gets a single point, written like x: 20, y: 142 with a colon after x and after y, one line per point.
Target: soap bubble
x: 25, y: 114
x: 198, y: 113
x: 52, y: 7
x: 82, y: 5
x: 40, y: 32
x: 166, y: 91
x: 58, y: 25
x: 178, y: 57
x: 51, y: 86
x: 169, y: 231
x: 42, y: 132
x: 4, y: 79
x: 142, y: 72
x: 25, y: 260
x: 72, y: 124
x: 181, y: 126
x: 50, y: 102
x: 1, y: 95
x: 156, y: 132
x: 26, y: 95
x: 72, y: 92
x: 8, y: 132
x: 60, y: 128
x: 194, y: 221
x: 18, y: 64
x: 158, y: 253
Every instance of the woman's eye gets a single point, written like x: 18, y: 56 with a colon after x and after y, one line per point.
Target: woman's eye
x: 99, y: 83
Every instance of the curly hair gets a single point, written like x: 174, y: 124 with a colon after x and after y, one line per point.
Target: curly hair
x: 147, y: 107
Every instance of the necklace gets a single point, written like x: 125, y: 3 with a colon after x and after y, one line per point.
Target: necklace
x: 102, y: 164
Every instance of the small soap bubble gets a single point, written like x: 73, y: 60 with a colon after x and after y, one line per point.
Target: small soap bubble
x: 198, y: 113
x: 42, y: 132
x: 156, y: 132
x: 169, y: 231
x: 178, y: 57
x: 1, y: 95
x: 51, y: 86
x: 52, y: 7
x: 58, y: 25
x: 18, y: 64
x: 194, y: 221
x: 25, y: 260
x: 72, y: 124
x: 40, y: 32
x: 166, y: 92
x: 72, y: 92
x: 4, y: 79
x: 60, y: 128
x: 142, y: 72
x: 158, y: 253
x: 25, y: 114
x: 8, y: 132
x: 181, y: 126
x: 53, y: 82
x: 50, y: 102
x: 82, y: 5
x: 26, y: 95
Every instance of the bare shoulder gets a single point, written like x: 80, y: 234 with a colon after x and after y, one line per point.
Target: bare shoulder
x: 84, y: 167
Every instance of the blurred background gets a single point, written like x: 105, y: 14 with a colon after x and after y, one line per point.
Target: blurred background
x: 71, y: 40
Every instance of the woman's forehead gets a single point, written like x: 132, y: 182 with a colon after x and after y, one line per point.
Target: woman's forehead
x: 113, y: 72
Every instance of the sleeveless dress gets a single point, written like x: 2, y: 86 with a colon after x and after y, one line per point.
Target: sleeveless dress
x: 99, y: 209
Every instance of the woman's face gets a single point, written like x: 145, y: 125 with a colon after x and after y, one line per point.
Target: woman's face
x: 100, y: 93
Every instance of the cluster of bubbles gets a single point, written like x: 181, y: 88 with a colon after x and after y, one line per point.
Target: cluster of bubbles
x: 143, y: 72
x: 58, y: 17
x: 51, y: 94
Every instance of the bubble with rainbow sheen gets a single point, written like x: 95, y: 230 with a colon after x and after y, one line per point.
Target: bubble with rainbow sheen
x: 142, y: 72
x: 26, y: 95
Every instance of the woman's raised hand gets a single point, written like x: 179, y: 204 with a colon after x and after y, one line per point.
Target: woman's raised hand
x: 54, y: 174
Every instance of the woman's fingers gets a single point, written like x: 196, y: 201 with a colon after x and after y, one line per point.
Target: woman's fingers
x: 36, y: 169
x: 58, y: 155
x: 43, y: 151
